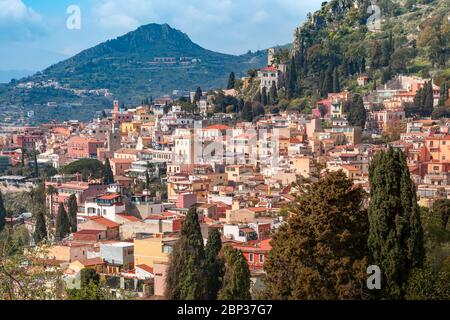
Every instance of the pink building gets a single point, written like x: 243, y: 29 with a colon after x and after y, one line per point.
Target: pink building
x: 186, y: 200
x: 83, y: 148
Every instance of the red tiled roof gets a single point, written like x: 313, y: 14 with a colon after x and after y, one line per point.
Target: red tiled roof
x: 269, y: 69
x: 109, y: 196
x: 91, y: 262
x: 218, y: 127
x: 257, y: 209
x: 128, y: 217
x: 88, y: 231
x: 145, y: 268
x: 103, y: 221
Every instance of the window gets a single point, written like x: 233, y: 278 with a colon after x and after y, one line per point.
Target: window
x: 250, y: 257
x: 261, y: 258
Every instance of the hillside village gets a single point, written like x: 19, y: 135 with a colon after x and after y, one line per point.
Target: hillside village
x: 240, y: 176
x: 285, y: 183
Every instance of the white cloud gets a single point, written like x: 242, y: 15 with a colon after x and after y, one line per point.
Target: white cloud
x: 231, y: 26
x: 116, y: 14
x: 260, y: 16
x: 17, y: 21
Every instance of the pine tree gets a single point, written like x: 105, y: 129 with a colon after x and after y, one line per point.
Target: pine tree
x: 62, y: 223
x: 2, y: 213
x: 322, y: 251
x: 214, y: 264
x: 231, y: 81
x: 73, y: 210
x: 40, y: 232
x: 236, y: 280
x: 395, y: 231
x: 108, y: 176
x: 185, y: 275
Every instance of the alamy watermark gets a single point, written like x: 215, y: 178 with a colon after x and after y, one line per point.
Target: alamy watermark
x: 73, y: 22
x: 374, y: 280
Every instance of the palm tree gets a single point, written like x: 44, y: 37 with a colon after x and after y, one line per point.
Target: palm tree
x: 33, y: 195
x: 51, y: 191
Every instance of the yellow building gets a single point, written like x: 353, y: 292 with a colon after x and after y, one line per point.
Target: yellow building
x: 149, y: 250
x: 130, y: 127
x: 302, y: 165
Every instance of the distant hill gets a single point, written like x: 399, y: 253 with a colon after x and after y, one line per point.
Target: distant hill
x: 150, y: 61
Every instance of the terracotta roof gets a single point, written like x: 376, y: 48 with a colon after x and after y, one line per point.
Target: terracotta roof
x: 269, y: 69
x: 257, y: 209
x: 247, y: 230
x: 128, y: 217
x: 145, y: 268
x: 88, y: 231
x: 91, y: 262
x: 218, y: 127
x: 109, y: 196
x: 103, y: 221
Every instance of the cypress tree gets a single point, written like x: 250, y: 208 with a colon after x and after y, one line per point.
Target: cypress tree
x: 273, y: 94
x: 321, y: 253
x: 147, y: 180
x: 428, y: 104
x: 62, y: 223
x: 2, y: 213
x: 357, y: 115
x: 231, y: 81
x: 185, y: 275
x: 441, y: 210
x: 395, y: 231
x: 292, y: 79
x: 214, y: 263
x: 40, y: 232
x: 258, y: 97
x: 247, y: 112
x: 236, y: 280
x: 73, y: 210
x: 108, y: 176
x: 198, y: 94
x: 264, y: 96
x: 444, y: 93
x: 35, y: 167
x: 336, y: 84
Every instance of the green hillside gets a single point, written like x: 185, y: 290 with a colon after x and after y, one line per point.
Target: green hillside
x: 131, y: 68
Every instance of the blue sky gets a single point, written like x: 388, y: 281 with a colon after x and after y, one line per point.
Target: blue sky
x: 33, y: 33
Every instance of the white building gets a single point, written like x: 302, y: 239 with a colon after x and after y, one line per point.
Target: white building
x: 268, y: 75
x: 107, y: 206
